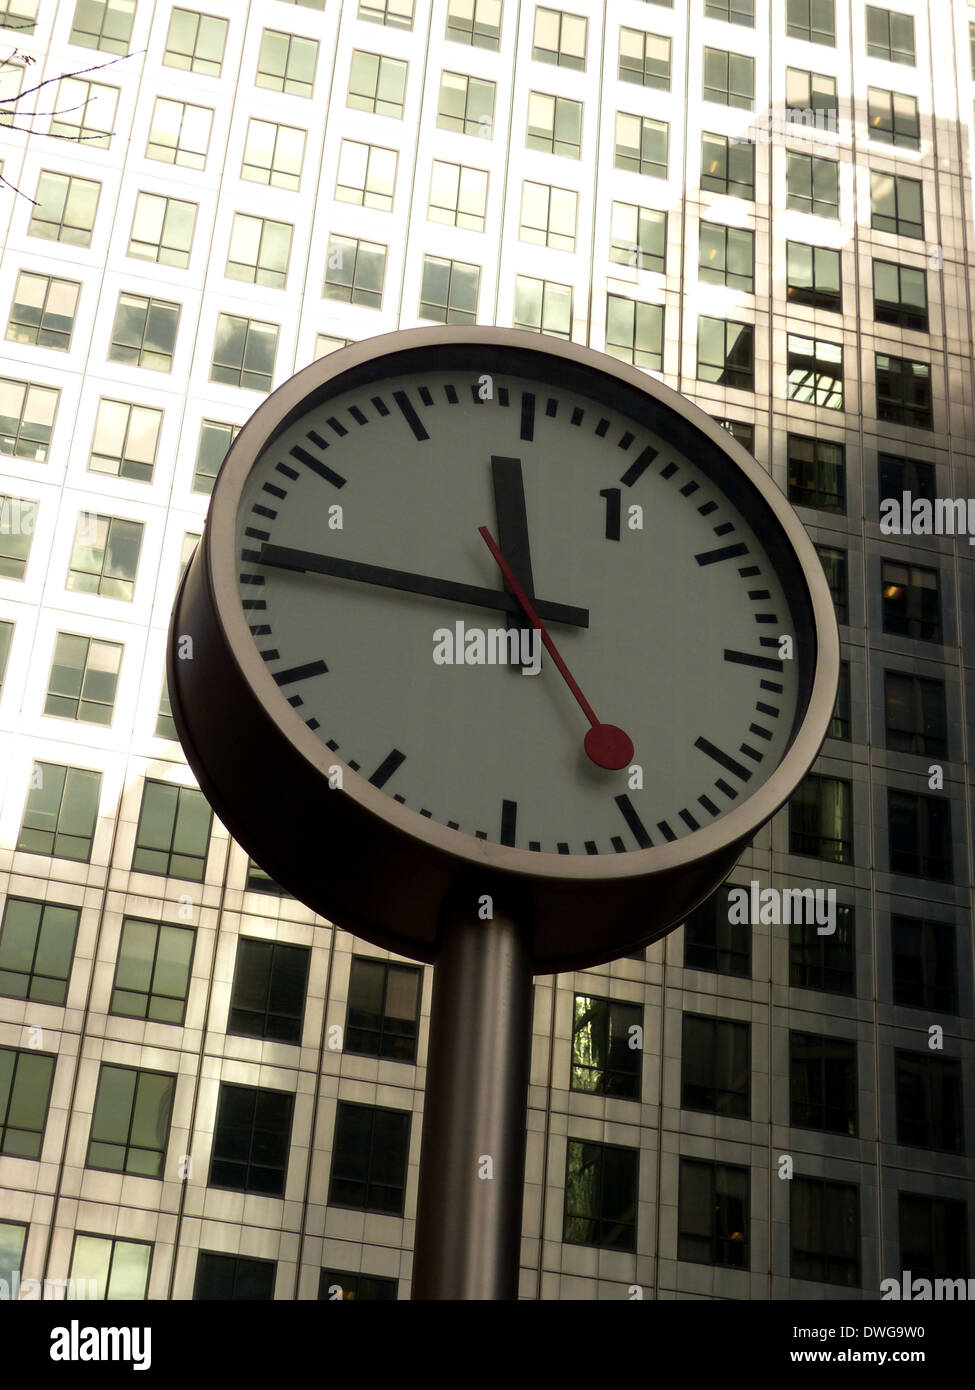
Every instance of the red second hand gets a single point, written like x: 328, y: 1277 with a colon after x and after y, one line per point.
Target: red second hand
x: 605, y: 744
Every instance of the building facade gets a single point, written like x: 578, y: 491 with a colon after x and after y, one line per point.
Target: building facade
x: 205, y: 1090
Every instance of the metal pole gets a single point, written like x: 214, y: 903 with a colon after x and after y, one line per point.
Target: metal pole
x: 472, y: 1158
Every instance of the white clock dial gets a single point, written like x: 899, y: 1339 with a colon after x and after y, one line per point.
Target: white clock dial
x: 653, y: 574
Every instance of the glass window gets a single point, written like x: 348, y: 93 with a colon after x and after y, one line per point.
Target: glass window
x: 383, y: 1018
x: 103, y: 1267
x: 355, y: 271
x: 607, y: 1047
x: 327, y: 342
x: 195, y: 42
x: 812, y: 20
x: 273, y: 154
x: 64, y: 208
x: 644, y: 58
x: 904, y: 392
x: 25, y: 1090
x: 18, y: 518
x: 824, y: 1231
x: 900, y: 475
x: 6, y: 634
x: 268, y: 997
x: 338, y: 1285
x: 162, y: 229
x: 216, y: 438
x: 259, y: 881
x: 13, y: 70
x: 397, y: 14
x: 458, y: 195
x: 548, y: 216
x: 542, y: 306
x: 13, y: 1234
x: 83, y: 679
x: 27, y: 414
x: 727, y: 166
x: 933, y: 1236
x: 815, y: 371
x: 713, y: 1214
x: 560, y: 38
x: 19, y: 15
x: 554, y: 125
x: 826, y: 963
x: 466, y: 104
x: 900, y: 296
x: 153, y: 971
x: 191, y: 540
x: 243, y: 352
x: 377, y: 83
x: 811, y: 98
x: 726, y: 353
x: 286, y: 63
x: 251, y: 1138
x: 929, y: 1102
x: 642, y: 145
x: 173, y: 834
x: 727, y: 256
x: 917, y: 721
x: 820, y: 819
x: 477, y: 22
x: 817, y: 473
x: 919, y: 835
x: 601, y: 1184
x: 839, y: 725
x: 366, y: 175
x: 890, y: 36
x: 715, y: 1066
x: 104, y: 24
x: 712, y: 941
x: 144, y: 333
x: 232, y: 1278
x: 732, y: 11
x: 892, y: 118
x: 740, y: 430
x: 130, y: 1124
x: 813, y: 276
x: 125, y: 440
x: 84, y: 111
x: 635, y: 332
x: 638, y: 237
x: 813, y: 185
x: 925, y: 965
x: 822, y: 1083
x: 896, y: 205
x: 369, y: 1158
x: 105, y: 556
x: 729, y: 78
x: 179, y: 133
x: 36, y: 949
x: 61, y: 811
x: 259, y: 251
x: 165, y: 724
x: 449, y: 291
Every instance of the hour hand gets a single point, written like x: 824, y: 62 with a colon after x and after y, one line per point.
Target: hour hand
x: 306, y: 561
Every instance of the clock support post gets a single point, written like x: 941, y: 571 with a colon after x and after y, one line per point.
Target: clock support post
x: 472, y: 1161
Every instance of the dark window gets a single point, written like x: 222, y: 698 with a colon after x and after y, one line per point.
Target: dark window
x: 904, y: 392
x: 383, y: 1018
x: 727, y: 166
x: 42, y: 312
x: 892, y: 118
x: 726, y: 353
x: 258, y: 881
x: 919, y: 828
x: 341, y: 1286
x: 925, y: 964
x: 813, y: 185
x: 821, y: 820
x: 833, y: 562
x: 729, y: 78
x: 813, y: 276
x: 824, y: 1231
x: 61, y: 811
x: 933, y: 1236
x: 713, y: 1214
x: 897, y: 205
x: 36, y: 949
x: 900, y: 475
x: 233, y: 1278
x: 144, y: 334
x: 635, y: 332
x: 823, y: 1083
x: 827, y: 962
x: 929, y: 1102
x: 250, y: 1139
x: 607, y: 1055
x: 130, y: 1125
x: 601, y: 1182
x: 839, y: 725
x: 715, y: 1066
x: 890, y: 36
x: 900, y: 296
x: 713, y: 942
x: 268, y: 998
x: 244, y: 352
x: 173, y: 831
x: 738, y: 429
x: 369, y: 1158
x: 26, y: 1078
x: 815, y: 370
x: 727, y: 256
x: 153, y: 971
x: 916, y: 718
x: 812, y: 20
x: 817, y: 473
x: 216, y: 438
x: 449, y: 290
x: 912, y: 601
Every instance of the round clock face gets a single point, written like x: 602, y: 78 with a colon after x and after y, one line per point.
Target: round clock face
x: 391, y: 538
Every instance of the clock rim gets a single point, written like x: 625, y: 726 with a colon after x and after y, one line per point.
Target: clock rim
x: 218, y: 554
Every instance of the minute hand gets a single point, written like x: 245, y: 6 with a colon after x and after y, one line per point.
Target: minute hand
x: 284, y: 557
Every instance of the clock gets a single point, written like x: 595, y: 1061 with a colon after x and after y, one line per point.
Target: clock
x: 480, y: 611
